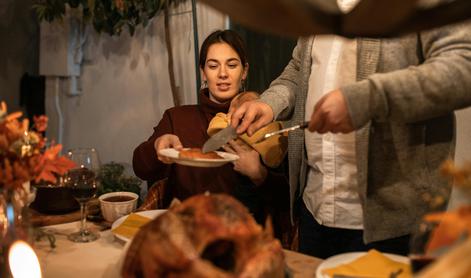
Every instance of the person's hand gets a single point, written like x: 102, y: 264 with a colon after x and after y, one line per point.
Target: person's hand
x: 167, y: 141
x: 237, y: 101
x: 331, y: 115
x: 248, y: 163
x: 251, y: 116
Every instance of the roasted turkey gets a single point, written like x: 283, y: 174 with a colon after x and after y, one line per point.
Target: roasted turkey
x: 205, y: 236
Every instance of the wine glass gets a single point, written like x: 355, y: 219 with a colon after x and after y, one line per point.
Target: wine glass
x: 83, y: 184
x: 419, y: 256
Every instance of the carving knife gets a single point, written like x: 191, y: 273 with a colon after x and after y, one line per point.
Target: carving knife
x: 219, y: 139
x: 284, y: 130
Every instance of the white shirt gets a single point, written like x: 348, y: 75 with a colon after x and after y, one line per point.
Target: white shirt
x: 331, y: 193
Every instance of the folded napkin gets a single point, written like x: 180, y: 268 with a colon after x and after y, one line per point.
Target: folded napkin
x: 131, y: 225
x: 372, y: 264
x: 271, y: 150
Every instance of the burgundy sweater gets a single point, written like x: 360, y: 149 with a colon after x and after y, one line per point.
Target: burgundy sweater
x: 189, y: 123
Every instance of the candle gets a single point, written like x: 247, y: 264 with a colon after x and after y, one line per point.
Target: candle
x: 23, y: 261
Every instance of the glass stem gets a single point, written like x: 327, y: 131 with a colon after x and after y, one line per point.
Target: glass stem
x: 83, y: 217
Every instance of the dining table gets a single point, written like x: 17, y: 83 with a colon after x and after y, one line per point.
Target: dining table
x: 103, y: 257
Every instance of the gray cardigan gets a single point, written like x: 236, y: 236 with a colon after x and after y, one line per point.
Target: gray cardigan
x: 402, y: 107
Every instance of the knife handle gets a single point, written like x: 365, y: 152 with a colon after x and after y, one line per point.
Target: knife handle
x: 304, y: 125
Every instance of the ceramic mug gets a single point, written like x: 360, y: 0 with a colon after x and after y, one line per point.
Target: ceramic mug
x: 117, y: 204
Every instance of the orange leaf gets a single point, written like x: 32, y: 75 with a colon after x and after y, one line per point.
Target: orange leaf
x: 52, y: 152
x: 40, y: 122
x: 452, y: 225
x: 52, y: 164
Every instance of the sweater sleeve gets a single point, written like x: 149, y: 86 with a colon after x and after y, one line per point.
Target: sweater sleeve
x: 145, y: 162
x: 438, y: 86
x: 280, y: 96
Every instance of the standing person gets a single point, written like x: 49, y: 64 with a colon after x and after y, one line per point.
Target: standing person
x: 224, y: 67
x: 381, y: 122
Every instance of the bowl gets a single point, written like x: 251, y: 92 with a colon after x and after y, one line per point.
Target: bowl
x: 54, y: 199
x: 116, y: 204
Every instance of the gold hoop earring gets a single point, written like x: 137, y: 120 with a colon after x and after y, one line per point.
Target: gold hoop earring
x: 204, y: 85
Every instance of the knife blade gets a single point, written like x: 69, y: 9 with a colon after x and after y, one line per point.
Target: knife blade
x: 281, y: 131
x: 219, y: 139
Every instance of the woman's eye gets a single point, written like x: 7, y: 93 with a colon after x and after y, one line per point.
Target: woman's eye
x: 233, y: 65
x: 212, y: 66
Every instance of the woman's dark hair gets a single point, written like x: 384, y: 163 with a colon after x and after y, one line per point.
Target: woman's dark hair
x: 227, y: 36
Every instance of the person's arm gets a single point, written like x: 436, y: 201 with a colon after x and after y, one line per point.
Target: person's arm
x: 275, y: 188
x: 145, y: 162
x: 249, y: 163
x: 281, y: 93
x: 438, y: 86
x: 271, y: 183
x: 277, y: 102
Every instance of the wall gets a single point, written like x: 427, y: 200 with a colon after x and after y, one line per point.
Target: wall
x: 18, y: 48
x: 263, y: 69
x: 463, y: 137
x: 125, y: 84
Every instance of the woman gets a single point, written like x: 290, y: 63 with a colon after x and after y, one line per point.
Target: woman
x: 224, y: 67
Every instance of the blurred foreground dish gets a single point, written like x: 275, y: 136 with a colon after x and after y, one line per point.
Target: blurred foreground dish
x: 370, y: 18
x: 205, y: 236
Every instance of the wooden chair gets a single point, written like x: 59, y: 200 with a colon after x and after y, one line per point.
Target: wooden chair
x: 156, y: 198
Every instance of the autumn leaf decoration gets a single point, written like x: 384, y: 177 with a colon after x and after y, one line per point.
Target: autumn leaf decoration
x: 451, y: 225
x: 23, y: 156
x: 53, y: 165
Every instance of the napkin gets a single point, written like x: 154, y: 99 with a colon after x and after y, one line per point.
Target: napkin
x: 131, y: 225
x: 372, y: 264
x: 271, y: 150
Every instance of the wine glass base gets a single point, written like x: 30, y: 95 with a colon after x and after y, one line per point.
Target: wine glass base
x: 83, y: 236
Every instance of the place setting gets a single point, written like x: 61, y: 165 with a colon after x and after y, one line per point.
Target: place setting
x: 365, y: 264
x: 125, y: 227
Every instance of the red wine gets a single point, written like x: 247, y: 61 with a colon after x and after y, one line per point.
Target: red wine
x: 82, y: 184
x: 420, y: 262
x: 83, y: 193
x: 80, y: 174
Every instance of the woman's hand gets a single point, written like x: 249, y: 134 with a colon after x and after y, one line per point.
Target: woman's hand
x: 248, y: 163
x: 167, y: 141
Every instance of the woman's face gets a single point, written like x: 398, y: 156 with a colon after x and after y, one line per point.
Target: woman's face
x: 223, y: 72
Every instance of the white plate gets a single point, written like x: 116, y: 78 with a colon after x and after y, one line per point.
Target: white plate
x: 146, y: 213
x: 199, y: 162
x: 346, y: 258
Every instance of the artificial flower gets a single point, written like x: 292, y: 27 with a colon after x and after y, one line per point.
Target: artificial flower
x: 23, y: 157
